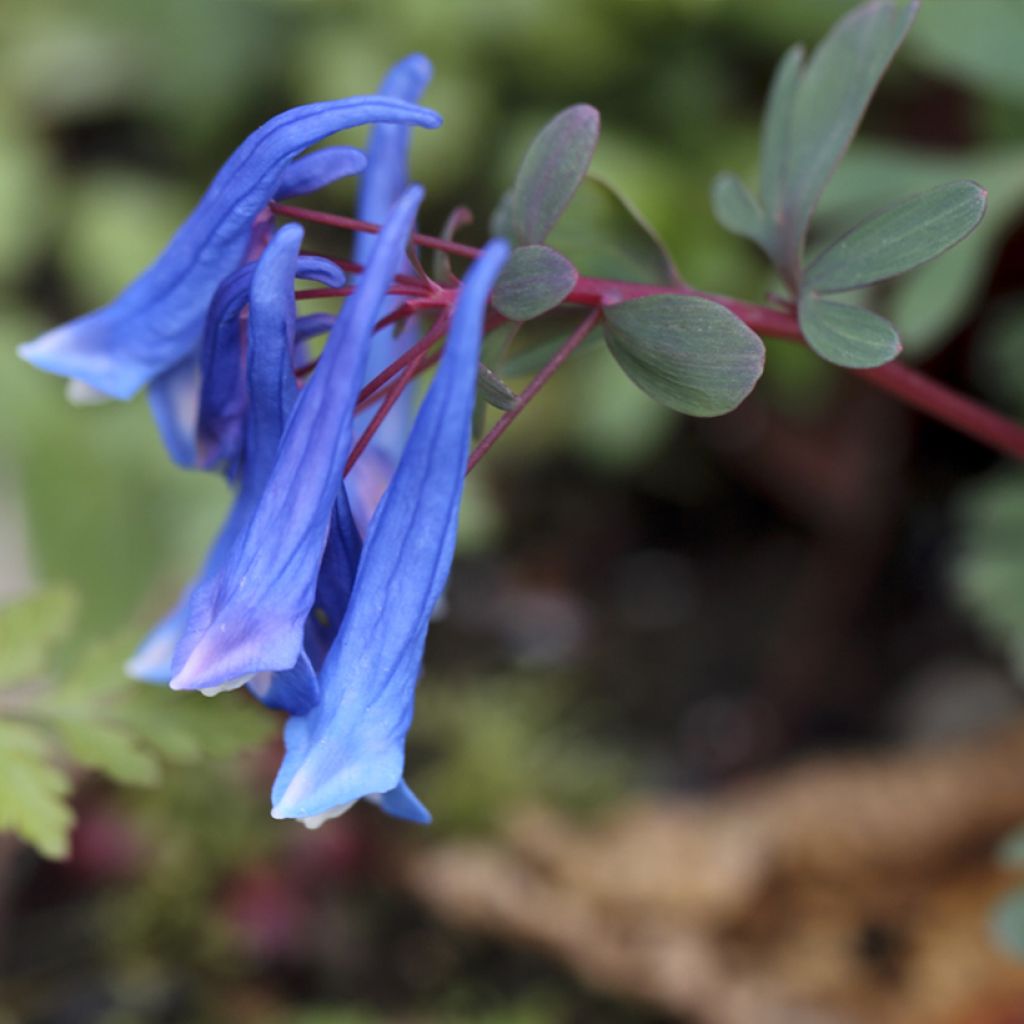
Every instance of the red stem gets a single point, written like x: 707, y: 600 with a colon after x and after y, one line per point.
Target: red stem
x: 499, y: 428
x: 909, y: 385
x: 411, y: 353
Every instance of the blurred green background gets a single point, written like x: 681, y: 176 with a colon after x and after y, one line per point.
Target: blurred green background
x: 599, y: 512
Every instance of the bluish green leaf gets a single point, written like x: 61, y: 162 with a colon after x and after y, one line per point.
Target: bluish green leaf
x: 29, y: 630
x: 1008, y: 923
x: 847, y: 335
x: 33, y: 792
x: 688, y: 353
x: 534, y: 280
x: 898, y: 239
x: 108, y: 750
x: 775, y: 130
x: 833, y: 92
x: 494, y: 390
x: 550, y: 173
x: 604, y: 236
x: 737, y: 210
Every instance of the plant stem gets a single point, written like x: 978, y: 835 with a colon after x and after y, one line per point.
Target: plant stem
x: 528, y: 393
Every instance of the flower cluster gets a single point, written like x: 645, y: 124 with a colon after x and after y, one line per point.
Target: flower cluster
x: 318, y: 591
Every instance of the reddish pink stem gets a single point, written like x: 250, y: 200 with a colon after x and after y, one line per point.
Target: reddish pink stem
x: 499, y: 428
x: 909, y: 385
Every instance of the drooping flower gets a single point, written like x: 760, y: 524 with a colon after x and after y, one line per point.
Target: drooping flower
x: 156, y: 322
x: 250, y: 616
x: 352, y: 743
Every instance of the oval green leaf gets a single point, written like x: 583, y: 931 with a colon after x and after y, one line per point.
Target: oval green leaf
x: 550, y: 173
x: 775, y: 127
x: 534, y: 280
x: 688, y: 353
x: 604, y: 236
x: 833, y: 92
x: 896, y: 240
x: 847, y: 335
x: 736, y: 209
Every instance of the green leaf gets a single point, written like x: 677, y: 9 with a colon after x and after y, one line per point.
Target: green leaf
x: 688, y: 353
x: 33, y: 792
x: 29, y: 629
x: 847, y: 335
x: 109, y: 750
x: 737, y: 210
x: 603, y: 235
x: 1008, y: 923
x: 538, y: 341
x: 775, y: 130
x: 550, y: 173
x: 898, y: 239
x: 535, y: 279
x: 831, y: 97
x: 494, y: 390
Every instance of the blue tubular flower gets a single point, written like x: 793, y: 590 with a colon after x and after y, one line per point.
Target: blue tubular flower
x: 156, y: 321
x: 223, y: 395
x: 352, y: 744
x: 250, y: 617
x: 272, y: 393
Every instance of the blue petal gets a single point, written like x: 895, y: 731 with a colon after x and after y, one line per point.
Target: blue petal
x: 318, y: 169
x: 174, y: 402
x: 223, y: 396
x: 402, y: 802
x: 157, y: 321
x: 271, y: 390
x: 352, y: 744
x: 295, y: 690
x: 386, y: 174
x: 251, y: 617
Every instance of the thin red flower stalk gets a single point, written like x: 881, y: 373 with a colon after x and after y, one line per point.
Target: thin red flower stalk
x: 530, y: 391
x: 912, y: 387
x: 386, y: 407
x: 434, y: 334
x: 404, y: 291
x: 422, y: 365
x: 352, y: 224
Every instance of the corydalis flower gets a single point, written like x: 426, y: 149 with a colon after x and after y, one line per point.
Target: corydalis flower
x: 352, y: 743
x: 157, y: 321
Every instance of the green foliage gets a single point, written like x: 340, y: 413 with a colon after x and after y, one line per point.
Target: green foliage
x: 737, y: 210
x: 604, y: 236
x: 552, y: 170
x: 847, y: 335
x: 688, y: 353
x: 88, y: 715
x: 535, y: 280
x: 898, y: 239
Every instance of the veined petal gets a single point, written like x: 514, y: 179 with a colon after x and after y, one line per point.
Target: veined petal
x: 386, y: 175
x: 157, y: 320
x: 223, y: 396
x: 271, y: 393
x: 352, y: 744
x: 250, y: 617
x: 319, y: 169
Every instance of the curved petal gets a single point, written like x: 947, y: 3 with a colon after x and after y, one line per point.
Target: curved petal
x: 174, y: 403
x: 157, y: 320
x: 352, y: 744
x: 250, y: 617
x: 271, y: 390
x: 223, y: 394
x: 318, y: 169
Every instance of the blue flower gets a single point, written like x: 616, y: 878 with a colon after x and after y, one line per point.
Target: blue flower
x: 352, y: 743
x: 250, y: 616
x: 156, y: 322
